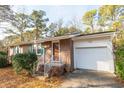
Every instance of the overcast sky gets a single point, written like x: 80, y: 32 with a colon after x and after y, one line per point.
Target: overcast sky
x: 54, y: 13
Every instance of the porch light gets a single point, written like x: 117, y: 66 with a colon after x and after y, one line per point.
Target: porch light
x: 45, y: 46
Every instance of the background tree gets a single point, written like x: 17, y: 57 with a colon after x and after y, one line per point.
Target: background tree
x: 10, y: 40
x: 102, y: 23
x: 52, y: 29
x: 20, y: 23
x: 29, y: 35
x: 75, y: 26
x: 75, y: 22
x: 87, y: 30
x: 57, y: 28
x: 6, y: 13
x: 116, y: 26
x: 2, y: 47
x: 39, y: 23
x: 62, y: 31
x: 109, y: 14
x: 89, y: 18
x: 74, y: 30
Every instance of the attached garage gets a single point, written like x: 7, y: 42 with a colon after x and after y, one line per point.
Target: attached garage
x: 94, y: 52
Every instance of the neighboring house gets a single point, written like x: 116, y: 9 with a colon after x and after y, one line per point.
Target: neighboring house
x: 89, y: 51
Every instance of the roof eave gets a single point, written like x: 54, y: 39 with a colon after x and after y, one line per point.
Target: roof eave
x: 91, y: 36
x: 57, y: 38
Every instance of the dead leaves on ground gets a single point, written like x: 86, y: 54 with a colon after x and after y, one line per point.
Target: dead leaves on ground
x: 8, y: 79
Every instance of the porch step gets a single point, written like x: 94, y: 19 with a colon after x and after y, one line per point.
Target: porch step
x: 38, y: 73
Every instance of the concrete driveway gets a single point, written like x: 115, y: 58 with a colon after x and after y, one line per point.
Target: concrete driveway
x: 90, y: 78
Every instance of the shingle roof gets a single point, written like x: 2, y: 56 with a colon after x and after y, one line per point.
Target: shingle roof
x: 59, y: 38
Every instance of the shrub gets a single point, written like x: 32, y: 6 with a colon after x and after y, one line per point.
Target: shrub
x: 3, y: 59
x: 120, y: 61
x: 3, y: 53
x: 120, y: 69
x: 118, y: 42
x: 27, y: 61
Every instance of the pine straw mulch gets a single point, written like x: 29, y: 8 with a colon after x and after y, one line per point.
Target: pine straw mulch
x: 9, y: 79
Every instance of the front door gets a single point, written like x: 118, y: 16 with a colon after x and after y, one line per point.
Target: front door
x: 56, y: 51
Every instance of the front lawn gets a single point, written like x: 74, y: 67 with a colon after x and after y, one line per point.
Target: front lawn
x: 9, y: 79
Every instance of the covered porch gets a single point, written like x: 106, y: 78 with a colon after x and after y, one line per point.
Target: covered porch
x: 58, y: 54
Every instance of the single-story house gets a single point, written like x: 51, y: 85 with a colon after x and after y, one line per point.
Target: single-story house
x: 84, y: 51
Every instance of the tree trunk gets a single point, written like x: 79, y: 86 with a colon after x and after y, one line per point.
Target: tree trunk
x: 37, y: 35
x: 22, y: 38
x: 92, y: 27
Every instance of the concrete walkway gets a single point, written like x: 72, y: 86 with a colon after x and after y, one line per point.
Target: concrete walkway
x: 89, y: 78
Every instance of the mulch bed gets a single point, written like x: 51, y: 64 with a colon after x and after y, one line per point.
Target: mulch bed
x: 119, y: 80
x: 9, y: 79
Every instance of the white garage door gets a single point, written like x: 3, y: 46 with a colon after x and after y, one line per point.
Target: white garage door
x: 96, y: 58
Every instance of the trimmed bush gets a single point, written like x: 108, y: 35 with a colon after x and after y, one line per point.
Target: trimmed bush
x: 27, y: 61
x: 3, y: 59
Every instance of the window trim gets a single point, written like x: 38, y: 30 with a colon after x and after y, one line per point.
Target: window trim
x: 36, y: 49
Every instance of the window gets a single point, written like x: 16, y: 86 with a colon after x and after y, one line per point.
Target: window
x: 30, y: 49
x: 38, y: 49
x: 16, y: 50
